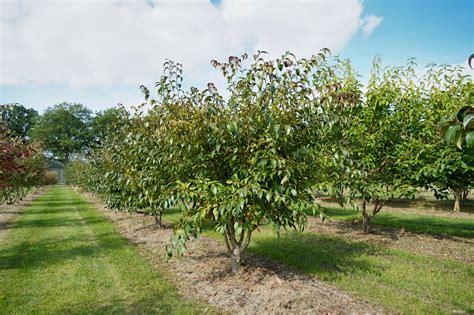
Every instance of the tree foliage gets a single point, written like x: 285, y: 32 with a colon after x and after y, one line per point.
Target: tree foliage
x: 393, y: 144
x: 22, y: 166
x: 104, y: 123
x: 18, y: 119
x: 64, y: 130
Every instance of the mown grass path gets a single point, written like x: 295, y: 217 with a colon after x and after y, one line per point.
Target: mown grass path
x: 63, y: 256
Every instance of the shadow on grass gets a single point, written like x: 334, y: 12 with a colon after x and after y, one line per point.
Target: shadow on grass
x: 31, y: 254
x: 148, y: 304
x: 424, y: 203
x: 429, y: 225
x: 70, y: 238
x: 328, y: 257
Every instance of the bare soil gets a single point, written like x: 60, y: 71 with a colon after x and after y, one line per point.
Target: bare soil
x: 262, y: 285
x: 8, y: 213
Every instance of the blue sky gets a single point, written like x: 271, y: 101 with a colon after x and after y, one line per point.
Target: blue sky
x: 98, y: 54
x: 433, y: 31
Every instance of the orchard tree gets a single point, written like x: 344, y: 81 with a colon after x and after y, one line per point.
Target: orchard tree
x: 252, y: 159
x: 64, y: 130
x: 18, y: 119
x: 22, y: 166
x: 460, y: 132
x: 378, y: 140
x: 447, y: 168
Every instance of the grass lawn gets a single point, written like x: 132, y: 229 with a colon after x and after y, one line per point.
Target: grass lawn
x: 400, y: 281
x: 62, y: 256
x: 433, y: 225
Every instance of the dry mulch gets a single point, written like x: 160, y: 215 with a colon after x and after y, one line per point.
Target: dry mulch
x: 8, y: 213
x: 262, y: 286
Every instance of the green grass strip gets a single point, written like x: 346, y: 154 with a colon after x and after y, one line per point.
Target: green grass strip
x: 63, y: 257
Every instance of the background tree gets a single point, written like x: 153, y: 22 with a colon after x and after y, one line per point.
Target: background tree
x: 18, y: 119
x: 64, y: 130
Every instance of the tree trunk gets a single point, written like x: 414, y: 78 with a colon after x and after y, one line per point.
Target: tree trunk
x: 365, y: 218
x: 465, y: 195
x: 235, y: 259
x: 236, y: 245
x: 365, y: 222
x: 158, y: 224
x: 457, y: 199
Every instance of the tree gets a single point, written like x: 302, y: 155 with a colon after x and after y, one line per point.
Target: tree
x: 460, y: 132
x: 253, y: 159
x: 18, y: 119
x: 378, y: 141
x: 64, y: 130
x: 22, y: 166
x: 446, y: 168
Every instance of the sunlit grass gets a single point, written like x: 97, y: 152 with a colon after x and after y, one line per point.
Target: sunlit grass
x: 63, y: 257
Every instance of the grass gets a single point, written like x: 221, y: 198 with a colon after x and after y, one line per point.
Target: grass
x: 63, y: 256
x: 434, y: 225
x: 399, y: 281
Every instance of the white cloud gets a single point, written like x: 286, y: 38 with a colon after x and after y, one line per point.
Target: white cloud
x: 105, y: 42
x: 370, y: 24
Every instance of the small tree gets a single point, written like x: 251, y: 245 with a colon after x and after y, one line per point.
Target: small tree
x: 447, y: 168
x: 379, y: 140
x: 249, y: 160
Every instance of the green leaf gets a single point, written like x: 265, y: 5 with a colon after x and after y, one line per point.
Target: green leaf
x: 268, y: 196
x: 467, y: 119
x: 462, y: 112
x: 459, y: 139
x: 470, y: 139
x: 450, y: 136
